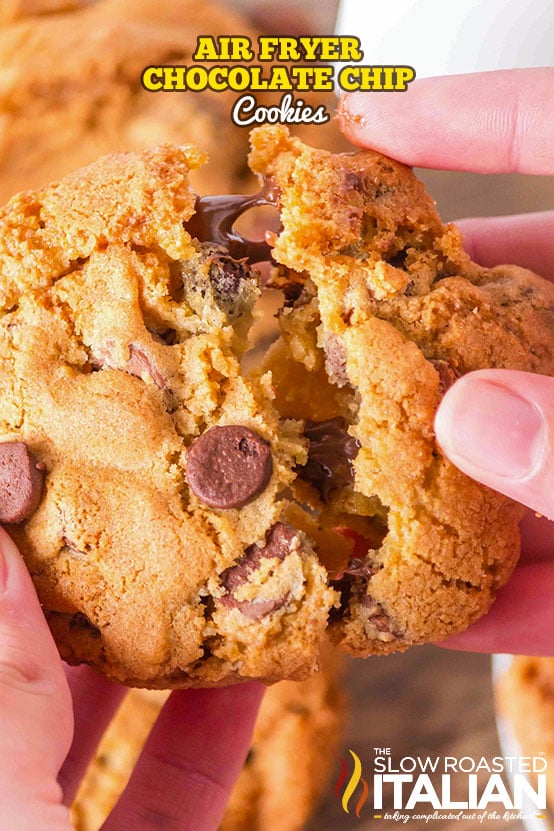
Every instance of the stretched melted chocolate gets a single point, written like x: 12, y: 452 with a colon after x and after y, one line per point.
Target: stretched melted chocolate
x: 215, y: 217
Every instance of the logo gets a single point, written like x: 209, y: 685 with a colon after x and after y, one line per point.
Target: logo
x: 352, y: 784
x: 443, y: 787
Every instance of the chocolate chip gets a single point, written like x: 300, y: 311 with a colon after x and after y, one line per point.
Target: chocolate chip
x: 215, y: 277
x: 280, y: 541
x: 378, y: 618
x: 21, y: 482
x: 215, y: 216
x: 360, y: 568
x: 374, y: 612
x: 229, y: 466
x: 353, y: 579
x: 345, y: 586
x: 335, y: 361
x: 227, y: 278
x: 330, y: 456
x: 354, y: 181
x: 351, y: 582
x: 257, y: 609
x: 141, y: 364
x: 292, y: 293
x: 447, y: 374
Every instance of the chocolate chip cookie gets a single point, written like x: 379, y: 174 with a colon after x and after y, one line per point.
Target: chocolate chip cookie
x: 187, y: 523
x: 11, y: 10
x: 71, y: 88
x: 525, y: 698
x: 383, y: 311
x: 293, y: 752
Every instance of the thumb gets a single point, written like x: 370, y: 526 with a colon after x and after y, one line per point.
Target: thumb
x: 497, y: 426
x: 36, y: 719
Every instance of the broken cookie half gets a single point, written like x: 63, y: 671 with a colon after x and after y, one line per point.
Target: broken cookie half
x: 196, y: 525
x: 391, y: 311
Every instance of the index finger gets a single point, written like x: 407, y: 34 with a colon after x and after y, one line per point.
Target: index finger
x: 489, y: 122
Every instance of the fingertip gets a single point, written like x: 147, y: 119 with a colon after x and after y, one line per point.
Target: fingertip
x: 374, y: 121
x: 196, y: 748
x: 34, y: 697
x: 347, y: 117
x: 489, y: 122
x: 446, y: 415
x: 523, y: 239
x: 496, y: 426
x: 11, y: 563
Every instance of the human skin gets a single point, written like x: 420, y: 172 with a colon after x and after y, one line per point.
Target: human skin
x: 51, y: 719
x: 495, y: 425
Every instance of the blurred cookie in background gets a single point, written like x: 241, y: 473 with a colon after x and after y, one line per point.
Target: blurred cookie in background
x: 70, y: 89
x: 11, y: 10
x: 525, y: 701
x: 115, y: 758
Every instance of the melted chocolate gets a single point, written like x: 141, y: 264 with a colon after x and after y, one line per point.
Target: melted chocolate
x: 330, y: 456
x: 215, y: 216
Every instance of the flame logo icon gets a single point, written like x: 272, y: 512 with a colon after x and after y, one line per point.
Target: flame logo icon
x: 352, y: 784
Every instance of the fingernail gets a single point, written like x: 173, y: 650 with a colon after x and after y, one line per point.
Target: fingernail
x: 496, y: 430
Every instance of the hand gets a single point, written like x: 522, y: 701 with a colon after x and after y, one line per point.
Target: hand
x: 495, y: 425
x: 187, y: 768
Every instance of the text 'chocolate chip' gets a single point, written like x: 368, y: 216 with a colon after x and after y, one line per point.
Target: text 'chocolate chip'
x: 21, y: 482
x: 228, y: 466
